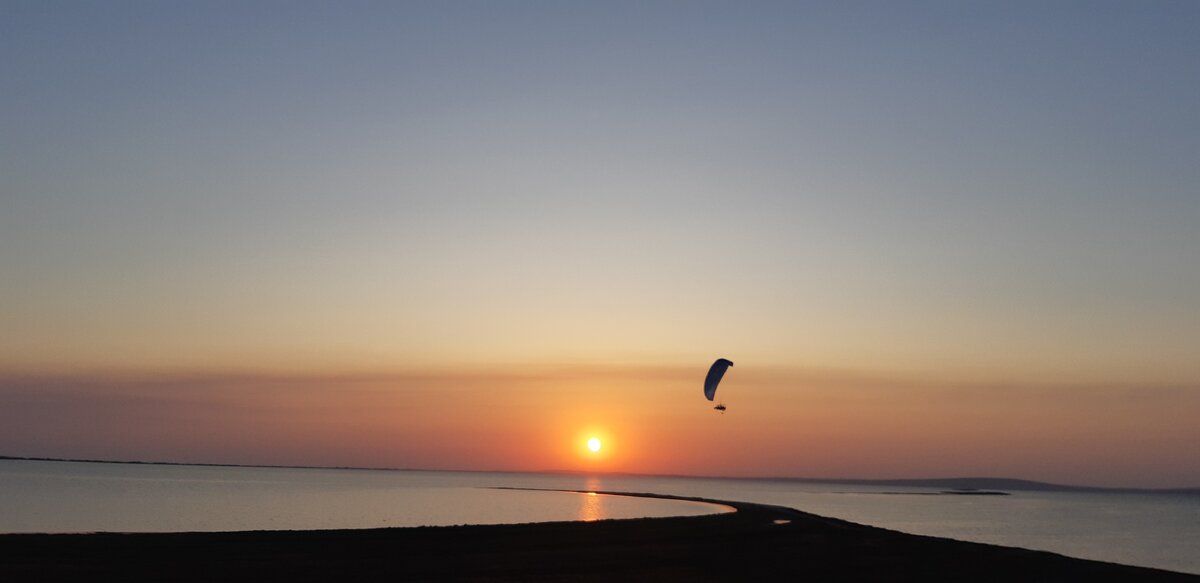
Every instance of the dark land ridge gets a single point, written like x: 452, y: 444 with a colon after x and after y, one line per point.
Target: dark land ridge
x: 947, y: 485
x: 757, y: 542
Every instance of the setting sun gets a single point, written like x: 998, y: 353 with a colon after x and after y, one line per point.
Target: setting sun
x: 594, y: 444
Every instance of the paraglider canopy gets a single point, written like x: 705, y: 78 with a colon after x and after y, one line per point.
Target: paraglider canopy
x: 715, y: 372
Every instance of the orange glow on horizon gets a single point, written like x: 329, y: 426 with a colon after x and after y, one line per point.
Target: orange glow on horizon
x: 652, y: 421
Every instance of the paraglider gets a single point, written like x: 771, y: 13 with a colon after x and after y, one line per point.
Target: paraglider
x: 715, y: 372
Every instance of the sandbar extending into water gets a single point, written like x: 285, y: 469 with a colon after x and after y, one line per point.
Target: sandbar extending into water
x: 757, y: 542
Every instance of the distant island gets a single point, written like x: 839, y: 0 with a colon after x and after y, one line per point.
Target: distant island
x: 968, y: 486
x: 976, y: 485
x: 963, y: 492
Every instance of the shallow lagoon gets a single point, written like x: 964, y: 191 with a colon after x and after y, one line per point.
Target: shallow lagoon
x: 1147, y: 529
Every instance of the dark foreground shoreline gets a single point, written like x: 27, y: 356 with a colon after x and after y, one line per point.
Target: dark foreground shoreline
x: 747, y: 545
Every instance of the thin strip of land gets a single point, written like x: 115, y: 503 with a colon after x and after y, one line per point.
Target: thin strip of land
x: 757, y: 542
x: 947, y: 484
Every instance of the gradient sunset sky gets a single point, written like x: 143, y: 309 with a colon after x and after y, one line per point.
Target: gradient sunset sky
x: 936, y: 239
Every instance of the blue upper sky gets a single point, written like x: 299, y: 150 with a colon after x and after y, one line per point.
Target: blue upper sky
x: 1002, y: 186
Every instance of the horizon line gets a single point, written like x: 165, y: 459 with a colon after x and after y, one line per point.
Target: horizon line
x: 1010, y: 483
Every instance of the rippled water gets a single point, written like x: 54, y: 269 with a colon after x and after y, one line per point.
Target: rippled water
x: 1156, y: 530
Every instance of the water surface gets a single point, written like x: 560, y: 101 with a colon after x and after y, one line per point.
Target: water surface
x: 1147, y: 529
x: 40, y: 496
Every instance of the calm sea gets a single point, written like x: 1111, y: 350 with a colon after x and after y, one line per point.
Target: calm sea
x: 1156, y: 530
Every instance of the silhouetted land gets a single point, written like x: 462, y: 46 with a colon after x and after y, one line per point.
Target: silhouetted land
x: 960, y: 485
x: 946, y: 485
x: 749, y: 544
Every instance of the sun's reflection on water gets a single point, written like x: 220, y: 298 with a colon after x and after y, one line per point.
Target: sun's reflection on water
x: 591, y: 507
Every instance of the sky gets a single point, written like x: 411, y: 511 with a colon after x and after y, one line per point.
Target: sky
x: 935, y: 238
